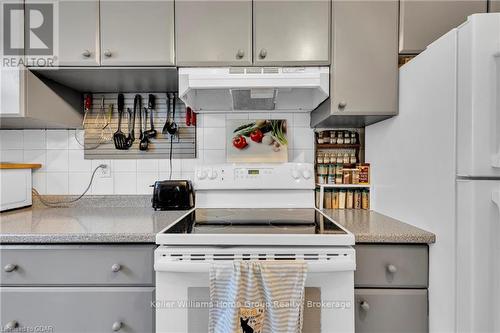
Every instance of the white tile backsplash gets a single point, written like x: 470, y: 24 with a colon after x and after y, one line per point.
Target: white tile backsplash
x: 57, y: 183
x: 125, y: 183
x: 11, y: 140
x: 65, y: 171
x: 214, y: 138
x: 76, y: 162
x: 78, y: 182
x: 57, y: 160
x: 12, y: 155
x: 57, y: 139
x: 34, y: 139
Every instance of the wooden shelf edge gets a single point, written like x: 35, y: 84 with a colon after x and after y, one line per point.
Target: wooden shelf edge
x: 20, y: 166
x: 344, y: 185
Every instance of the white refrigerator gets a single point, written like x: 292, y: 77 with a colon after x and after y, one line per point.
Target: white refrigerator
x: 437, y: 166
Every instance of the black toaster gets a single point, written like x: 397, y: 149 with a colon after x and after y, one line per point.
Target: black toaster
x: 173, y: 195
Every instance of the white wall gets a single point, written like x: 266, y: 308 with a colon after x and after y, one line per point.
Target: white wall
x: 65, y: 171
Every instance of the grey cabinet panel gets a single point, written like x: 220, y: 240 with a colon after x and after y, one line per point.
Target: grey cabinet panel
x: 365, y: 58
x: 82, y: 309
x: 137, y: 33
x: 77, y: 265
x: 422, y: 22
x: 291, y: 32
x: 391, y: 310
x: 494, y: 6
x: 78, y: 33
x: 391, y: 266
x: 213, y: 33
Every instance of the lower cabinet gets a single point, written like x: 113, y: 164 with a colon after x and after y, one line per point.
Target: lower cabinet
x: 391, y: 310
x: 77, y: 309
x: 391, y: 282
x: 77, y: 288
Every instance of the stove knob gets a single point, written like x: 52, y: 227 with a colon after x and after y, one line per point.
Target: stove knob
x: 306, y: 174
x: 295, y: 174
x: 212, y: 174
x: 202, y: 174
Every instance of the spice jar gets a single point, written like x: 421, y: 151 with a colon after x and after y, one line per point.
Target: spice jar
x: 340, y: 158
x: 349, y: 199
x: 332, y: 137
x: 352, y: 158
x: 340, y: 138
x: 353, y: 138
x: 335, y: 199
x: 321, y: 138
x: 322, y: 169
x: 346, y: 158
x: 357, y: 199
x: 342, y: 198
x: 365, y: 199
x: 328, y: 198
x: 355, y: 176
x: 347, y: 137
x: 319, y: 158
x: 331, y: 174
x: 346, y: 179
x: 338, y: 174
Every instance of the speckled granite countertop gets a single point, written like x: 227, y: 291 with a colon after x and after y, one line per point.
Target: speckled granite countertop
x: 130, y: 219
x: 373, y: 227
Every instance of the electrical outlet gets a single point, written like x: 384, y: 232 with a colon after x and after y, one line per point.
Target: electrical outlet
x: 105, y: 172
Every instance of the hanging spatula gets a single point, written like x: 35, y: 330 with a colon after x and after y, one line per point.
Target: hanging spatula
x: 119, y: 138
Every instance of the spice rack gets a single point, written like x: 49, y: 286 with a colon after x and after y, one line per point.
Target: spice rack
x: 345, y: 186
x: 341, y: 148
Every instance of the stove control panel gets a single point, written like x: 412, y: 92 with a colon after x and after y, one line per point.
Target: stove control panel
x: 255, y: 176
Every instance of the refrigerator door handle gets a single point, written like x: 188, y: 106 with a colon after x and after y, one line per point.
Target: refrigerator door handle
x: 495, y: 158
x: 495, y: 197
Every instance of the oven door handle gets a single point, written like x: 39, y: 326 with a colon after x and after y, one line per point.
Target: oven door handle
x: 320, y: 266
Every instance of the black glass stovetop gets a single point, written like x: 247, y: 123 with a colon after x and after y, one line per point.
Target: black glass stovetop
x: 255, y: 221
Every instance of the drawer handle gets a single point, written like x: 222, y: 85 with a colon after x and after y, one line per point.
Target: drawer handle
x: 263, y: 53
x: 10, y: 268
x: 392, y: 269
x: 11, y: 325
x: 117, y: 325
x: 116, y: 268
x: 108, y: 54
x: 86, y: 54
x: 364, y: 305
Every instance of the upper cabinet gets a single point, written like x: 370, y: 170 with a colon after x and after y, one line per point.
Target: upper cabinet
x: 213, y: 32
x: 78, y: 32
x: 364, y: 71
x: 291, y: 32
x: 422, y: 22
x: 137, y: 33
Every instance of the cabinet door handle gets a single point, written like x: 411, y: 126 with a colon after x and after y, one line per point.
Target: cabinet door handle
x: 342, y: 105
x: 117, y: 325
x: 391, y: 268
x: 263, y: 53
x: 107, y: 54
x: 86, y: 54
x: 116, y: 267
x: 11, y: 325
x: 364, y: 305
x: 240, y: 54
x: 10, y: 268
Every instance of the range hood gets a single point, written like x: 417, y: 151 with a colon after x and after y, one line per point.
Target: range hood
x: 246, y: 89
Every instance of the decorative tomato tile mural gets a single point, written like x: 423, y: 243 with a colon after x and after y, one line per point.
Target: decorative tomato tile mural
x: 257, y: 141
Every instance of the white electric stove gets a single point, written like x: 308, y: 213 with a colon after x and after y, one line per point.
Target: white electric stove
x: 254, y: 212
